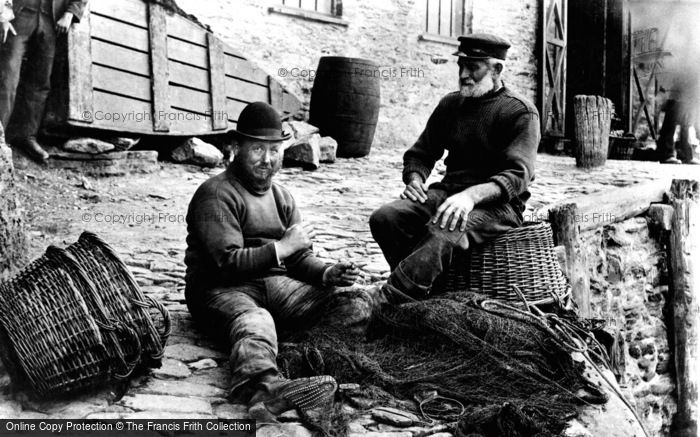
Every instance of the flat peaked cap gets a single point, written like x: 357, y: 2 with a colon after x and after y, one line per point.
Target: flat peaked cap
x: 482, y: 46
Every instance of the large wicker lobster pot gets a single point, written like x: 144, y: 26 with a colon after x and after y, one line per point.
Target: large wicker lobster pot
x: 122, y: 297
x: 522, y: 257
x: 57, y: 337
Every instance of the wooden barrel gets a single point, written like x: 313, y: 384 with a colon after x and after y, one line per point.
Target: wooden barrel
x: 345, y: 103
x: 592, y: 128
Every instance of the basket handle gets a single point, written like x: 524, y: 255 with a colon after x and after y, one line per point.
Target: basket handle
x: 152, y: 303
x: 166, y: 319
x: 131, y: 338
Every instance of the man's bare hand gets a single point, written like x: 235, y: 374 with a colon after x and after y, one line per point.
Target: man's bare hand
x: 343, y: 274
x: 296, y: 237
x: 416, y: 190
x: 7, y: 28
x: 63, y: 25
x: 454, y: 211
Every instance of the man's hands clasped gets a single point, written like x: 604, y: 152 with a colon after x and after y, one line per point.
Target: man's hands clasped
x: 415, y: 190
x: 296, y: 237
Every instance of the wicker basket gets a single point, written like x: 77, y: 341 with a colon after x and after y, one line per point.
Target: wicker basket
x: 621, y: 148
x: 523, y: 257
x: 122, y: 297
x: 56, y: 332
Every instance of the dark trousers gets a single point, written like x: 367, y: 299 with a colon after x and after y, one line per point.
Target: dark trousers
x: 248, y: 316
x: 676, y: 115
x: 24, y: 88
x: 418, y: 251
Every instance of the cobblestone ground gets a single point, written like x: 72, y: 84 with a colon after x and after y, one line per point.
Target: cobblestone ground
x: 142, y: 217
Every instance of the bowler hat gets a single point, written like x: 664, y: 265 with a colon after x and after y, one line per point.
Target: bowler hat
x: 482, y: 46
x: 260, y: 121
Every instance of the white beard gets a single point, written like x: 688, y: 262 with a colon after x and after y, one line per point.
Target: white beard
x: 478, y: 89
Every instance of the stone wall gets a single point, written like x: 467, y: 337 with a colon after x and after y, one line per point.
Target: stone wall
x: 629, y: 284
x: 13, y: 249
x: 385, y: 31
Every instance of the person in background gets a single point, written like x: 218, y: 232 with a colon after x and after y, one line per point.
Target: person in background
x: 681, y: 109
x: 30, y: 29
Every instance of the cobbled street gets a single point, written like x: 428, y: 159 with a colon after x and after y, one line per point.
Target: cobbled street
x: 142, y: 217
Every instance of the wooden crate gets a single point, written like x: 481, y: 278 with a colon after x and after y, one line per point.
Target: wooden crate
x: 132, y: 66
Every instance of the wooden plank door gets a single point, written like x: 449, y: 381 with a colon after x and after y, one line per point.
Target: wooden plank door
x: 552, y: 67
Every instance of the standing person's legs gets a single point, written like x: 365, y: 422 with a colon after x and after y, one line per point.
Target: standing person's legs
x: 35, y: 85
x: 399, y: 225
x: 416, y: 273
x: 665, y: 147
x: 11, y: 55
x: 685, y: 149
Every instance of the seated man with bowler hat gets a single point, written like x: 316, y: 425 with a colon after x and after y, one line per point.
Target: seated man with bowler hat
x: 491, y: 134
x: 251, y: 270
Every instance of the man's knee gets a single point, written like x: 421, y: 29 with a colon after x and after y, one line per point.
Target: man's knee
x: 382, y: 218
x: 455, y: 238
x: 252, y: 323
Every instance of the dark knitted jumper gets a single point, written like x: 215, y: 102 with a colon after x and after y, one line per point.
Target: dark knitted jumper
x: 493, y: 138
x: 231, y: 234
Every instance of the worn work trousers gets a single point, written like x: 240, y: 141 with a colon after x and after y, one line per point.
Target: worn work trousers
x: 676, y: 115
x: 248, y: 316
x: 418, y: 251
x: 25, y: 88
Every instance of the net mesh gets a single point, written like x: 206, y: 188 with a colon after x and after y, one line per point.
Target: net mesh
x: 510, y: 369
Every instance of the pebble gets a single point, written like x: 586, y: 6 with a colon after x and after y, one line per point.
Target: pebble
x: 206, y: 363
x: 393, y: 416
x: 172, y: 369
x: 165, y: 266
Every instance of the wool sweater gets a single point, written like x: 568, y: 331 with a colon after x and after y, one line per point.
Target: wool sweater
x: 493, y: 138
x: 231, y: 234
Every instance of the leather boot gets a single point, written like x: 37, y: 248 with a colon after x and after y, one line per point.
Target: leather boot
x: 31, y: 147
x: 280, y: 395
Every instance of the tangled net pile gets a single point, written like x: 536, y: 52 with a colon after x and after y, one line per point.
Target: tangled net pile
x: 511, y: 370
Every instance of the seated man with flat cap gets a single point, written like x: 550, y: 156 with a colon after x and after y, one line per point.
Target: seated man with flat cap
x: 491, y: 134
x: 250, y: 268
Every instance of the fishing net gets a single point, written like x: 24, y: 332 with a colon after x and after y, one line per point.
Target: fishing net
x: 510, y: 370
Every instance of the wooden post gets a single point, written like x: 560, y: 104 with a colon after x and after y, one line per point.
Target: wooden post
x: 592, y: 130
x: 80, y: 98
x: 217, y: 78
x: 160, y: 77
x: 684, y: 271
x: 564, y: 220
